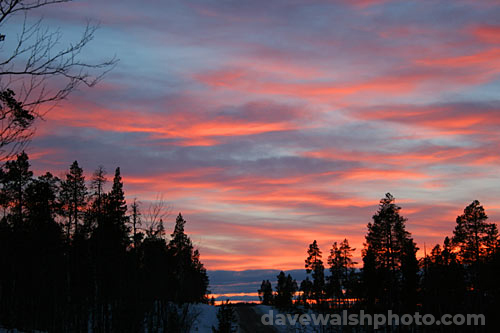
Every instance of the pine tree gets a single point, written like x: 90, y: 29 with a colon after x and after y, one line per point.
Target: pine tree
x: 95, y: 281
x: 476, y: 241
x: 313, y: 257
x: 491, y: 241
x: 341, y: 269
x: 389, y: 253
x: 286, y: 288
x: 319, y: 283
x: 115, y: 202
x: 474, y: 237
x: 443, y: 281
x: 314, y: 264
x: 17, y: 177
x: 199, y: 279
x: 41, y: 199
x: 113, y: 223
x: 409, y: 276
x: 109, y: 243
x: 95, y: 209
x: 306, y: 287
x: 180, y: 243
x: 187, y: 268
x: 73, y: 197
x: 334, y: 285
x: 136, y: 222
x: 226, y: 318
x: 4, y: 196
x: 97, y: 185
x: 266, y: 292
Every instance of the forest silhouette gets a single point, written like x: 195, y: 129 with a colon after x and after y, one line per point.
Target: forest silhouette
x: 458, y: 277
x: 75, y: 258
x: 72, y: 259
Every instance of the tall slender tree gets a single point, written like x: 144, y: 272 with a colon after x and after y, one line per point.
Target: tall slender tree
x: 342, y: 269
x: 388, y: 254
x: 17, y: 177
x: 136, y: 222
x: 286, y: 287
x: 97, y: 185
x: 334, y: 285
x: 313, y: 257
x: 443, y: 284
x: 266, y: 292
x: 73, y: 197
x: 306, y: 288
x: 116, y: 204
x: 314, y: 264
x: 180, y: 242
x: 186, y: 265
x: 94, y: 213
x: 41, y: 198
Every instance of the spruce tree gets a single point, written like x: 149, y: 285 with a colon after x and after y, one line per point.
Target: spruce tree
x: 180, y: 242
x: 187, y: 268
x: 199, y: 279
x: 109, y: 243
x: 116, y: 206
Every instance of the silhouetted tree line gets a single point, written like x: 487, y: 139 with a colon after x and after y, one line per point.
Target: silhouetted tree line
x: 458, y: 277
x: 73, y: 259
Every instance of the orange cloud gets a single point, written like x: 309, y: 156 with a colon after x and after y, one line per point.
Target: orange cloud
x: 367, y: 3
x: 249, y: 82
x: 275, y: 246
x: 448, y: 119
x: 487, y: 33
x: 487, y: 61
x: 432, y: 155
x: 185, y: 127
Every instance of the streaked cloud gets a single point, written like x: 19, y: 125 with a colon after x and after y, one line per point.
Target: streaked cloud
x: 270, y: 124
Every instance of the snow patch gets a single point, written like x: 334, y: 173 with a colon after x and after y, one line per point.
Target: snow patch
x: 206, y: 317
x: 288, y: 328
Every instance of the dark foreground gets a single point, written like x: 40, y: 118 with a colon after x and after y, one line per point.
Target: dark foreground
x: 249, y: 320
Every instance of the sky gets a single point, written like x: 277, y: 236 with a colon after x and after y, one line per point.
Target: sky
x: 270, y: 124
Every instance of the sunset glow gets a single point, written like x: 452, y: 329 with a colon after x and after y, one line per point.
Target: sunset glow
x: 270, y: 124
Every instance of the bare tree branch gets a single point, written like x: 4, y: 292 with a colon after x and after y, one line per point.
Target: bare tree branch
x: 157, y: 211
x: 38, y: 71
x: 9, y: 7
